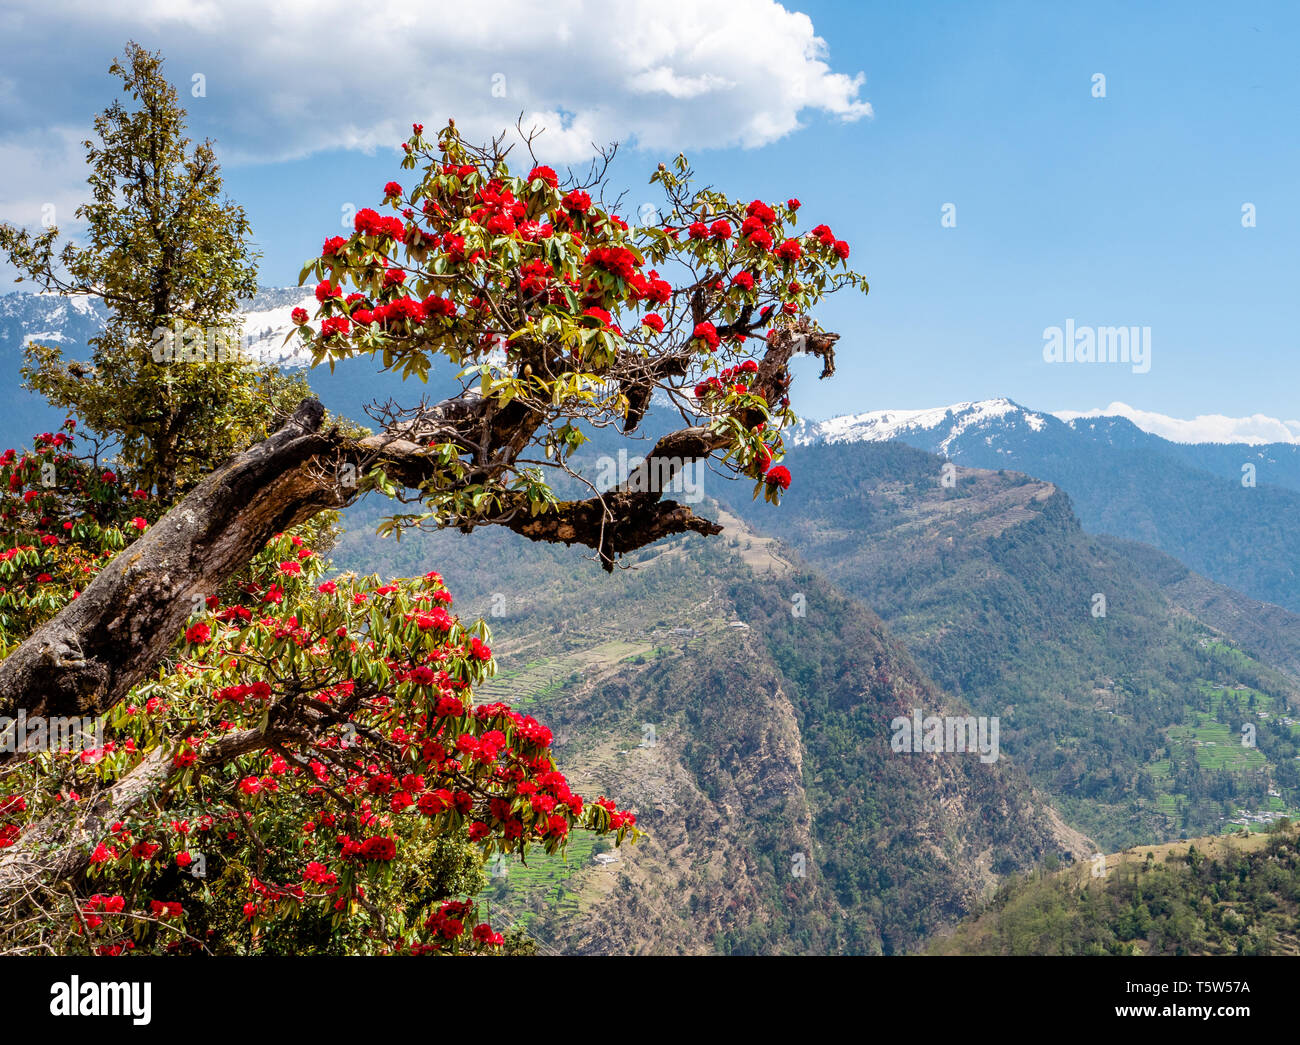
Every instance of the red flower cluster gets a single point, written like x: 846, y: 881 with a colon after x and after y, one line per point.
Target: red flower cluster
x: 369, y: 222
x: 826, y: 238
x: 577, y: 202
x: 617, y: 261
x: 707, y: 333
x: 789, y: 250
x: 778, y: 476
x: 238, y: 694
x: 544, y: 174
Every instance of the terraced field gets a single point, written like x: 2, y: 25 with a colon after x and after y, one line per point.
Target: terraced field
x: 546, y: 676
x: 1217, y: 745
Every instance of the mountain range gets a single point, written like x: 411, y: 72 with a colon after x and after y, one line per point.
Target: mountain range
x: 1227, y: 510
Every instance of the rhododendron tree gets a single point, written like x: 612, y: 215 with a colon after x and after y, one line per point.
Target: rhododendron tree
x: 311, y: 747
x: 318, y: 735
x: 564, y: 318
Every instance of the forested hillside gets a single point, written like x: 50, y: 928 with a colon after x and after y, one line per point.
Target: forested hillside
x: 1120, y: 703
x: 1210, y: 896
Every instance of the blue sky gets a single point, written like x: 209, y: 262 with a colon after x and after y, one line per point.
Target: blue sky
x: 1122, y: 210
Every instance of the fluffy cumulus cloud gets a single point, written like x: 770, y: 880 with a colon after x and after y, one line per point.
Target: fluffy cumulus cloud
x: 1205, y: 428
x: 293, y: 78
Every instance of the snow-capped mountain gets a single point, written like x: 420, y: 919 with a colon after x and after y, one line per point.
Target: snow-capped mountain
x: 1000, y: 433
x: 1228, y: 510
x: 940, y: 428
x: 72, y: 321
x: 266, y: 323
x: 52, y: 318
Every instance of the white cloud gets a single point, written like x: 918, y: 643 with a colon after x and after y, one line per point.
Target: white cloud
x: 1204, y: 428
x: 43, y: 183
x: 291, y: 79
x: 28, y: 191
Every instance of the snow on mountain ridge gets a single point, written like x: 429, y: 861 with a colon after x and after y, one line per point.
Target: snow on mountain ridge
x: 72, y: 319
x: 959, y: 418
x: 878, y: 426
x: 264, y: 330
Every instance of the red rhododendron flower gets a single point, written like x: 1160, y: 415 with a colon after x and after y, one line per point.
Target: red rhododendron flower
x: 577, y: 200
x: 707, y: 333
x: 381, y: 847
x: 197, y: 634
x: 545, y: 174
x: 778, y: 476
x: 334, y: 325
x: 789, y: 250
x: 654, y: 322
x: 484, y: 933
x: 618, y: 261
x: 318, y: 873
